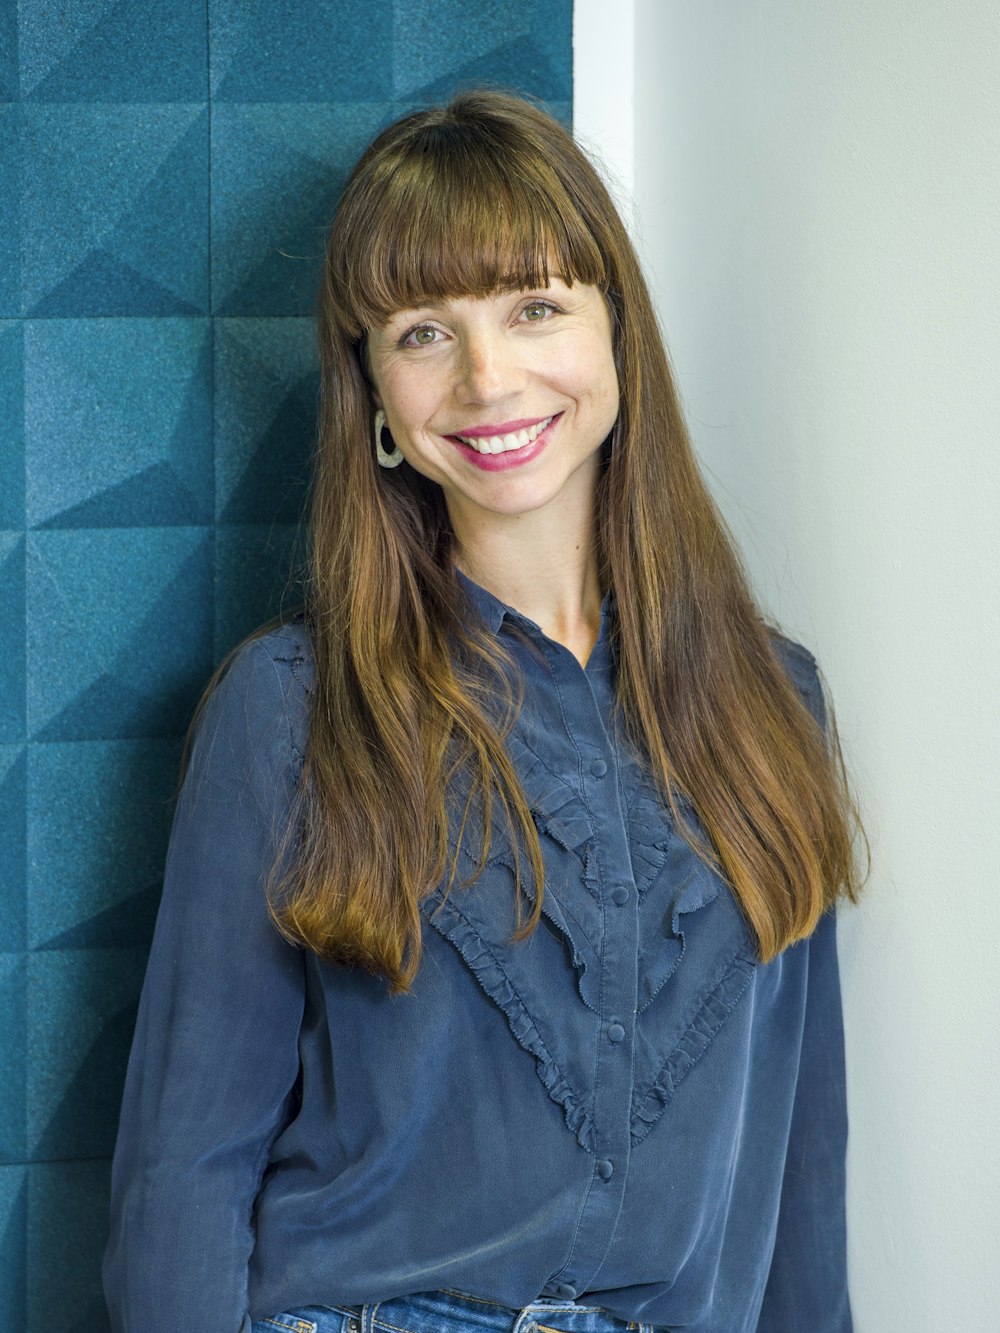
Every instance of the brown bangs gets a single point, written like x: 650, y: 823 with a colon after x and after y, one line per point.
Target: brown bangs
x: 454, y: 213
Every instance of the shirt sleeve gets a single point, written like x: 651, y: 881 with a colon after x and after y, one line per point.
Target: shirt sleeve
x: 214, y: 1061
x: 807, y: 1284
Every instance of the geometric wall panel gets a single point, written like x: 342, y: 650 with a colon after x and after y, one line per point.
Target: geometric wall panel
x: 258, y: 575
x: 107, y: 446
x: 11, y: 421
x: 8, y: 53
x: 121, y: 231
x: 80, y: 1018
x: 276, y: 173
x: 13, y: 1245
x: 300, y: 50
x: 506, y: 45
x: 13, y: 840
x: 12, y: 655
x: 266, y: 387
x: 106, y: 51
x: 68, y: 1200
x: 95, y: 862
x: 13, y: 1059
x: 10, y: 195
x: 105, y: 659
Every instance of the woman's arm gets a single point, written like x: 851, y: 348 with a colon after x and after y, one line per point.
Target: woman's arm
x: 807, y: 1286
x: 214, y: 1058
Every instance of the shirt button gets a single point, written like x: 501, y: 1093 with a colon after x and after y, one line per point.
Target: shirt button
x: 605, y: 1169
x: 616, y: 1032
x: 598, y: 768
x: 619, y: 895
x: 567, y: 1292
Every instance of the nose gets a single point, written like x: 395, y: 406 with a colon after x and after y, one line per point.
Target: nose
x: 488, y: 368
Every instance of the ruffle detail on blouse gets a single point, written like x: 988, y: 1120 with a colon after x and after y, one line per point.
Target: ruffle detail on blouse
x: 571, y: 902
x: 581, y: 950
x: 711, y: 1013
x: 671, y: 881
x: 663, y: 935
x: 448, y: 919
x: 559, y: 811
x: 650, y: 835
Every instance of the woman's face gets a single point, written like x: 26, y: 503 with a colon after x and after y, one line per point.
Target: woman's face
x: 503, y: 400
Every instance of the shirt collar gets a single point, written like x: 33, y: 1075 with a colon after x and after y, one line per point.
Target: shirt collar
x: 494, y: 612
x: 489, y: 607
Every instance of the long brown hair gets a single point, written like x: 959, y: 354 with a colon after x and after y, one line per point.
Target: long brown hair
x: 411, y: 691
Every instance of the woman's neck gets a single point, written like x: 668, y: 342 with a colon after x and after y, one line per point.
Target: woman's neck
x: 553, y: 579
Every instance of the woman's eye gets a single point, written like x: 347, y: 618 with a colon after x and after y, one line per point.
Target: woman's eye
x: 424, y: 336
x: 537, y: 311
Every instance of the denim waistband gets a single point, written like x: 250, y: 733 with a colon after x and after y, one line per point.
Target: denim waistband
x: 450, y: 1312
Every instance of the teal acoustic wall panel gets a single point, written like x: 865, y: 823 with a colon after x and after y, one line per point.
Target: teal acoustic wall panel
x: 167, y: 171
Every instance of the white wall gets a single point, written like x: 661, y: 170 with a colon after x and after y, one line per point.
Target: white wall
x: 818, y: 200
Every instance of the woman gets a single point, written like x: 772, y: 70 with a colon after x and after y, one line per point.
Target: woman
x: 495, y: 979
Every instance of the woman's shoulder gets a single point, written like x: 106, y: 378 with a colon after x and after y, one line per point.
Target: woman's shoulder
x: 802, y: 669
x: 287, y: 643
x: 262, y: 689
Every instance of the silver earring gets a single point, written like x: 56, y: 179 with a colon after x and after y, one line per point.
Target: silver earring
x: 385, y: 460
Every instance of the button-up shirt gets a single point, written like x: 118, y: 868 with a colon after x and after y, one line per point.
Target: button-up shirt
x: 625, y: 1107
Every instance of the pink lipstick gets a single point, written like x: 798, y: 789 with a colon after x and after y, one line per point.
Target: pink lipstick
x: 508, y: 458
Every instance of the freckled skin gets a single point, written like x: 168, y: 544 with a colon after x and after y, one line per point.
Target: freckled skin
x: 468, y: 362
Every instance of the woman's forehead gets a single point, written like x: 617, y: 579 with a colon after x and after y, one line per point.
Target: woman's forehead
x: 509, y: 287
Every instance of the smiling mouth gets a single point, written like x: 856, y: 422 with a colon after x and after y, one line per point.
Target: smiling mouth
x: 502, y: 444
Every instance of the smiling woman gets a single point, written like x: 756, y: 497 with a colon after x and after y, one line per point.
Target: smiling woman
x: 495, y: 981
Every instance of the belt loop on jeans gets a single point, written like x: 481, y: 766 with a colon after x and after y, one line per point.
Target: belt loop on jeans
x: 368, y: 1317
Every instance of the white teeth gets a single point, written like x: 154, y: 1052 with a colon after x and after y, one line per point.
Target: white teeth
x: 500, y: 444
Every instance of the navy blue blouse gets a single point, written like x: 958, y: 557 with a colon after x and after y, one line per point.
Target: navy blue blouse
x: 626, y: 1106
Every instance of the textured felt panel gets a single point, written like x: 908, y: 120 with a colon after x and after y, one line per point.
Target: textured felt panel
x: 12, y: 656
x: 265, y: 405
x: 80, y: 1016
x: 11, y: 424
x: 256, y: 567
x: 110, y: 51
x: 114, y: 209
x: 14, y: 1241
x: 13, y: 864
x: 119, y: 630
x: 501, y: 43
x: 94, y: 863
x: 276, y: 171
x: 8, y: 53
x: 167, y: 173
x: 67, y: 1205
x: 301, y: 50
x: 10, y: 194
x: 89, y: 380
x: 13, y: 1057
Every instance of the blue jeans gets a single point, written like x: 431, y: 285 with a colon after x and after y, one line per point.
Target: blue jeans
x: 449, y: 1312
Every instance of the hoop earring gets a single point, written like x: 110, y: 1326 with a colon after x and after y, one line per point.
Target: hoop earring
x: 385, y: 460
